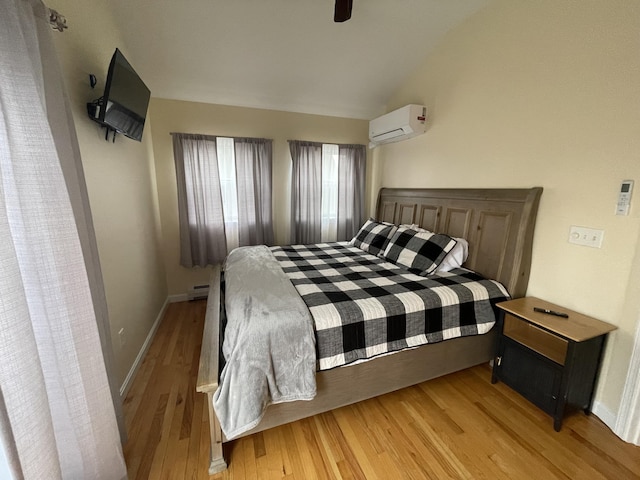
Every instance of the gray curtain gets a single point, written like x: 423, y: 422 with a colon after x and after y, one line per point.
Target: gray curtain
x: 202, y: 234
x: 351, y: 184
x: 253, y: 181
x: 306, y: 192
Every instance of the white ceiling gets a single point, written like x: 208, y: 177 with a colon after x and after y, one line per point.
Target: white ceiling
x: 283, y: 54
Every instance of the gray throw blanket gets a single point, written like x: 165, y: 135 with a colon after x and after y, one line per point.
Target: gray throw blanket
x: 269, y: 342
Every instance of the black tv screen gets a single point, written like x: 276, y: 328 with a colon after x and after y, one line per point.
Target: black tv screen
x: 123, y: 107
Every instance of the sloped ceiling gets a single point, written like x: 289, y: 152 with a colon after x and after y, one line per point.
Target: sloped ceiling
x: 283, y: 54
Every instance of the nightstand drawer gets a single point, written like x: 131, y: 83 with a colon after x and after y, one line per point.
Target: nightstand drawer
x: 535, y: 338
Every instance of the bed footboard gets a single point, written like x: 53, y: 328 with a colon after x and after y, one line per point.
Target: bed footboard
x: 208, y: 370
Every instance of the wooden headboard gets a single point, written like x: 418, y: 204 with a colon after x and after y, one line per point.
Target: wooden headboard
x: 497, y: 223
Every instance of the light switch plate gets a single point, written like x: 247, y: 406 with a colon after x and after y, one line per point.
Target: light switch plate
x: 589, y: 237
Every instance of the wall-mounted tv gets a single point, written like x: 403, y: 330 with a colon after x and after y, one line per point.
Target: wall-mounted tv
x: 123, y: 107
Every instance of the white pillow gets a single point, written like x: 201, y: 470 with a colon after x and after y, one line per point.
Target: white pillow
x: 455, y: 258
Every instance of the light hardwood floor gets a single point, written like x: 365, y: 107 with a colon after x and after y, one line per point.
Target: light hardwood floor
x: 458, y: 426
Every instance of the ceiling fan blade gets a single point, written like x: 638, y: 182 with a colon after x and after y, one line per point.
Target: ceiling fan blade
x: 342, y: 12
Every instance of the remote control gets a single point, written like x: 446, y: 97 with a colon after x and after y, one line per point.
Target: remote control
x: 550, y: 312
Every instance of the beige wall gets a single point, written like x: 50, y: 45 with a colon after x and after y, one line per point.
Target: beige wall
x: 187, y: 117
x: 121, y: 184
x: 543, y: 93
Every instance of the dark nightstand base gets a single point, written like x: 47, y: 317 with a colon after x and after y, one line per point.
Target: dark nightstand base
x: 551, y: 368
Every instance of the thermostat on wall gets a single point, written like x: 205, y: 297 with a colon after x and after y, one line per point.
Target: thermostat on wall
x: 624, y: 197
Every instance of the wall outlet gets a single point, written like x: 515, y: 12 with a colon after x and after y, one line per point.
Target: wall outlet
x: 589, y: 237
x: 122, y: 338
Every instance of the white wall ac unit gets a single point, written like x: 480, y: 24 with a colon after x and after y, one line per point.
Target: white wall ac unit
x: 406, y: 122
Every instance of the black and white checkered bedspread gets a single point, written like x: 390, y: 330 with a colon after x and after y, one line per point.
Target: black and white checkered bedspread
x: 363, y: 306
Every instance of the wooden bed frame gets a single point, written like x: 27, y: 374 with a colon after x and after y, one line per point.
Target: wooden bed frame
x: 497, y: 223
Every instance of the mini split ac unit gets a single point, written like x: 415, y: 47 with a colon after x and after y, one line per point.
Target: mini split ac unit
x: 406, y: 122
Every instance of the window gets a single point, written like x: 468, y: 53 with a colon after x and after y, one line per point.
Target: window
x: 329, y: 216
x: 228, y: 189
x: 327, y: 191
x: 224, y: 195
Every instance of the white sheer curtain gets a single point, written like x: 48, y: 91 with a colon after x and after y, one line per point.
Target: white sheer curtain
x: 57, y: 417
x: 228, y: 190
x: 329, y: 216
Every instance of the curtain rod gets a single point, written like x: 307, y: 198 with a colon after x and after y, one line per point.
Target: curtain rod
x: 58, y: 22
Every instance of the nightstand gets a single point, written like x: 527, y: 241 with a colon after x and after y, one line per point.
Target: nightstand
x: 551, y: 361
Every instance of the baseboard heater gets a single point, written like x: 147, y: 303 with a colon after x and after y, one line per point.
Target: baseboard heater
x: 198, y: 292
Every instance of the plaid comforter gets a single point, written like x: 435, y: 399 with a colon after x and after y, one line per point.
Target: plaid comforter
x: 363, y: 306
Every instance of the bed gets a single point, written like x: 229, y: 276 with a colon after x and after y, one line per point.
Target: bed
x: 498, y: 225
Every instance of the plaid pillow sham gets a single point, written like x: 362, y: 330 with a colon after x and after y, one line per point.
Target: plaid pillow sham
x: 455, y: 258
x: 421, y: 252
x: 374, y: 236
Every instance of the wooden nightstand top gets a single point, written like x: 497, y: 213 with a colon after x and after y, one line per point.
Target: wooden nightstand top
x: 577, y: 327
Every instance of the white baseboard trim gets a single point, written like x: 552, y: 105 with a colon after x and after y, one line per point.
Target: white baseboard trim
x: 604, y: 414
x: 126, y: 385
